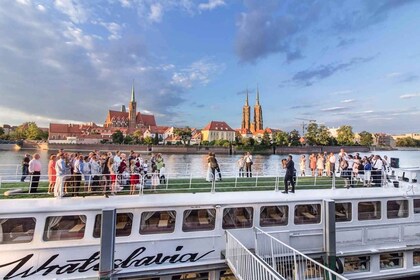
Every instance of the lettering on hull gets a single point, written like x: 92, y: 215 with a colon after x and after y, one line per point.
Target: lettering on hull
x: 137, y: 258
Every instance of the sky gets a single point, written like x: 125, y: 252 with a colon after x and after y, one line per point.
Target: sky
x: 337, y: 62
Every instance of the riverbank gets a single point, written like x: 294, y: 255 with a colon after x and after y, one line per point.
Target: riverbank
x: 196, y: 149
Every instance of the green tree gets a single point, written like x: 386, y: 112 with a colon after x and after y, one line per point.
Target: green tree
x: 407, y: 142
x: 148, y: 140
x: 294, y: 138
x: 1, y: 131
x: 266, y: 141
x: 311, y: 133
x: 248, y: 141
x: 184, y: 133
x: 366, y: 138
x: 117, y: 137
x: 345, y: 135
x: 128, y: 140
x: 323, y: 136
x: 281, y: 138
x: 156, y: 139
x: 138, y: 135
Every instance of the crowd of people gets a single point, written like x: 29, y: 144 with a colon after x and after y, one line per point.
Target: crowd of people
x: 368, y: 170
x: 97, y: 172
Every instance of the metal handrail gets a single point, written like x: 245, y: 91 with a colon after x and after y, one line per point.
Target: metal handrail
x: 288, y: 261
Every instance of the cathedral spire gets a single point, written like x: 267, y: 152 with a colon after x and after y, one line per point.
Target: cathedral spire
x: 258, y: 96
x: 246, y: 102
x: 133, y: 96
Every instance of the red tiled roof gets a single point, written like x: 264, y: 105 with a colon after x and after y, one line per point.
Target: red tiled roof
x: 218, y: 126
x: 158, y: 129
x: 64, y: 128
x: 148, y: 120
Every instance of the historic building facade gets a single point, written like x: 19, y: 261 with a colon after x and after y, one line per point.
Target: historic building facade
x: 131, y: 120
x: 257, y: 123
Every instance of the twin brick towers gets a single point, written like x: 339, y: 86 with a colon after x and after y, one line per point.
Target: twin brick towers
x: 257, y: 123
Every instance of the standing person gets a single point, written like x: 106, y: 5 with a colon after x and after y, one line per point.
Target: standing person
x: 35, y: 172
x: 211, y: 159
x: 367, y: 167
x: 134, y: 176
x: 320, y: 164
x: 332, y: 164
x: 327, y: 166
x: 51, y: 173
x: 312, y: 163
x: 241, y: 165
x: 302, y: 165
x: 60, y: 168
x: 95, y: 168
x: 162, y: 172
x: 77, y: 174
x: 25, y: 167
x: 248, y: 164
x: 112, y: 173
x: 218, y: 168
x: 288, y: 178
x: 377, y: 166
x: 105, y: 170
x: 86, y: 173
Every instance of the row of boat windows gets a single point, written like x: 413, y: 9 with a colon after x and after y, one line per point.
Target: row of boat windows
x: 21, y: 230
x: 387, y: 261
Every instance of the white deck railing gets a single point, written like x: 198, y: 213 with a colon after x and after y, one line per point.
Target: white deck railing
x: 289, y: 262
x: 244, y: 264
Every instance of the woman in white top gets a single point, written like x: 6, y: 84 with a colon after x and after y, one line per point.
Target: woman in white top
x: 302, y: 165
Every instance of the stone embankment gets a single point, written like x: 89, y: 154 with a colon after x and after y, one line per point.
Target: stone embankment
x: 200, y: 149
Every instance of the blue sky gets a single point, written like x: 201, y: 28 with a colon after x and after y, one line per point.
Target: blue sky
x: 337, y: 62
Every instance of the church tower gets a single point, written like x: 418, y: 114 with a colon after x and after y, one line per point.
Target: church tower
x: 246, y: 115
x: 132, y: 112
x: 258, y: 118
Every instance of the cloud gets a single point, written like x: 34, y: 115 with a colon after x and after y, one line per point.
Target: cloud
x: 305, y: 106
x: 156, y: 12
x: 334, y: 109
x: 403, y: 77
x: 347, y: 101
x: 341, y: 92
x: 309, y: 77
x: 409, y: 96
x: 198, y: 72
x: 277, y: 27
x: 212, y: 4
x: 73, y: 9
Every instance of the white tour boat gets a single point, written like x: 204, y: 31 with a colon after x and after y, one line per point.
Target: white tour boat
x: 183, y: 235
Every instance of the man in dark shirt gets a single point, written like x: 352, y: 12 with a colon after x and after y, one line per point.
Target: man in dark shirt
x: 25, y: 167
x: 290, y: 169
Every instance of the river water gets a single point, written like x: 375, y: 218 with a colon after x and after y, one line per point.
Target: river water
x: 197, y: 164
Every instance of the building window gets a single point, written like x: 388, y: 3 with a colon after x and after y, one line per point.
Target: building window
x: 307, y: 214
x: 274, y: 215
x: 343, y: 212
x: 237, y: 217
x: 356, y: 264
x: 122, y: 225
x: 416, y: 206
x: 369, y: 210
x: 16, y: 230
x: 64, y: 227
x: 391, y: 260
x: 416, y: 258
x: 192, y: 276
x: 397, y: 209
x: 201, y: 219
x: 157, y: 222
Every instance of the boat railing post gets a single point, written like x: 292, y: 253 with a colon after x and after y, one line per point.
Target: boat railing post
x: 106, y: 261
x: 30, y: 182
x: 190, y: 180
x: 256, y: 180
x: 17, y: 170
x: 236, y: 180
x: 333, y: 181
x: 213, y: 186
x: 276, y: 183
x: 315, y: 179
x: 167, y: 182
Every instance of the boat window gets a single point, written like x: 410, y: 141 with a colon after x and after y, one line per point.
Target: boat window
x: 227, y: 275
x: 64, y: 227
x: 397, y: 209
x: 356, y: 264
x: 16, y: 230
x: 276, y: 215
x: 369, y: 210
x: 343, y: 212
x: 237, y: 217
x: 199, y: 219
x: 122, y: 225
x: 192, y: 276
x: 307, y: 214
x: 157, y: 222
x: 416, y: 258
x: 416, y: 206
x: 391, y: 260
